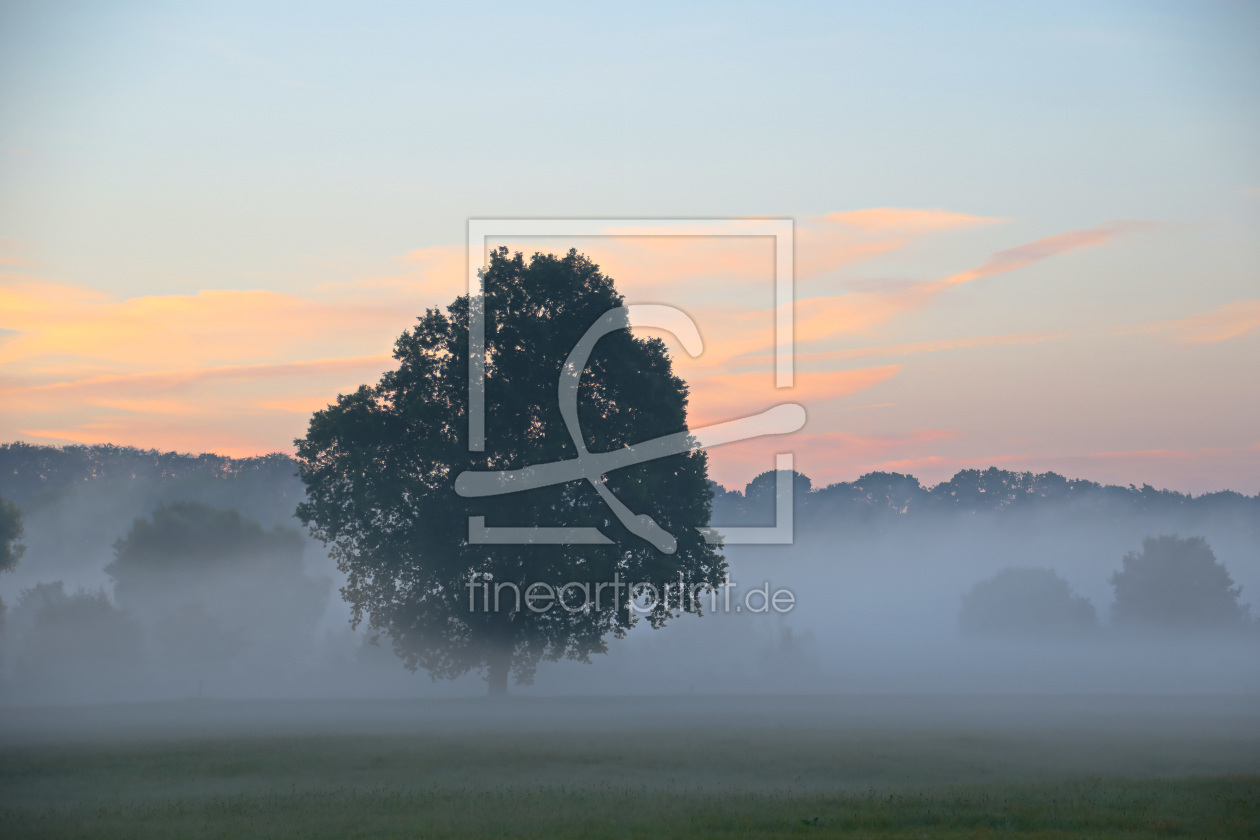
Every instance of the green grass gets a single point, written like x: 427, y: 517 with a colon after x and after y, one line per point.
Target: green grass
x: 1207, y: 807
x: 760, y: 783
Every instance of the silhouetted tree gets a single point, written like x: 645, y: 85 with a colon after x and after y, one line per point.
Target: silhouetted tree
x: 380, y: 468
x: 1025, y: 602
x: 876, y: 498
x: 10, y: 532
x: 758, y: 508
x: 1176, y: 583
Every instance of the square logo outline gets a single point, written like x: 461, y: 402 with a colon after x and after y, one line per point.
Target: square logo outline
x: 780, y: 229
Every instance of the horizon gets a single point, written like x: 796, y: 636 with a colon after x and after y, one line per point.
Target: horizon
x: 928, y: 487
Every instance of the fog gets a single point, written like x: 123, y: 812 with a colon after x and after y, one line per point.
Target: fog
x: 876, y: 610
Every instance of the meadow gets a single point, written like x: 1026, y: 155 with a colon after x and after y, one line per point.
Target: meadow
x: 589, y: 768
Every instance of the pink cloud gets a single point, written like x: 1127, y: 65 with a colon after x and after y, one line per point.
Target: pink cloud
x: 723, y: 396
x: 1034, y: 252
x: 1230, y: 320
x: 917, y: 347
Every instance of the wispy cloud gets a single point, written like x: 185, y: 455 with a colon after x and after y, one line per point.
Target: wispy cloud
x: 917, y: 347
x: 907, y: 220
x: 1031, y: 253
x: 859, y: 313
x: 1230, y: 320
x: 723, y: 396
x: 234, y: 409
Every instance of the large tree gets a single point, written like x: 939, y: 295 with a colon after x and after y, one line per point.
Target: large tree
x: 380, y: 468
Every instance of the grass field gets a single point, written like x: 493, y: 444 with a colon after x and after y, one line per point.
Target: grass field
x: 758, y: 778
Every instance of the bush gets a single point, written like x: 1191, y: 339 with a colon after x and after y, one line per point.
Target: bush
x: 80, y: 638
x: 1025, y: 602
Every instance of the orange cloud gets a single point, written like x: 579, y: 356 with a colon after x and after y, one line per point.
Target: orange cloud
x: 233, y: 409
x: 724, y: 396
x: 859, y: 312
x: 830, y: 242
x: 210, y: 327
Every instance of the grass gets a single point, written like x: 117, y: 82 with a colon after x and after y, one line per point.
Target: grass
x: 758, y: 782
x: 1203, y: 807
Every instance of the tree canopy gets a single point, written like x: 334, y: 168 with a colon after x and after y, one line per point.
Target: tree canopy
x: 1025, y: 602
x: 380, y: 467
x: 214, y: 578
x: 1176, y: 583
x: 10, y: 532
x: 185, y: 541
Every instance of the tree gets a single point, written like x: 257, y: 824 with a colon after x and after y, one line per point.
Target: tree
x: 380, y: 467
x: 1025, y: 602
x: 10, y: 532
x: 214, y: 579
x: 78, y: 639
x: 1176, y: 583
x: 761, y: 497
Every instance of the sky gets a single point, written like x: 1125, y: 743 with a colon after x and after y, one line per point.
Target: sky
x: 1025, y: 234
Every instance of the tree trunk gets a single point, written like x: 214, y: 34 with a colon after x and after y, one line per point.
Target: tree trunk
x: 500, y: 664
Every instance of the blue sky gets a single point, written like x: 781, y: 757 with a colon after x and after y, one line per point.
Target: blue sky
x: 151, y: 151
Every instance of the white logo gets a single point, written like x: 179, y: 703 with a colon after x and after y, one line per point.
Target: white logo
x: 593, y: 467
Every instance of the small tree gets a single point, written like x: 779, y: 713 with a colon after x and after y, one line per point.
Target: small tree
x: 1025, y: 602
x: 380, y: 468
x: 1176, y: 583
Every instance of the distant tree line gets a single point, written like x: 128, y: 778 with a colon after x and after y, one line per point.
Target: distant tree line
x: 33, y: 475
x: 42, y: 477
x: 883, y: 496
